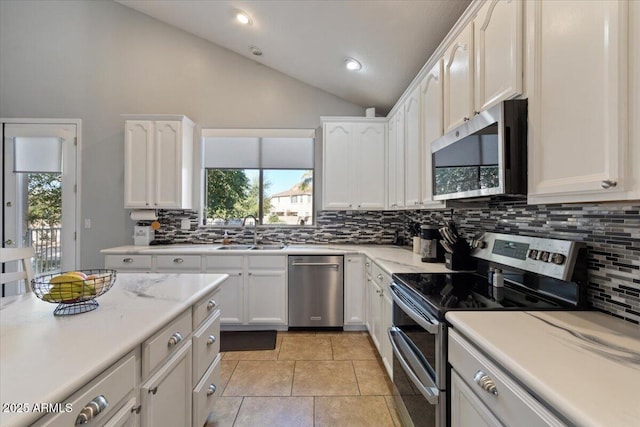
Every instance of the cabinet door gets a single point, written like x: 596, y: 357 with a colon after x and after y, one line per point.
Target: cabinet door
x: 375, y: 310
x: 138, y: 168
x: 431, y: 89
x: 166, y: 396
x: 392, y: 163
x: 578, y: 111
x: 368, y: 165
x: 386, y: 352
x: 267, y: 297
x: 458, y: 80
x: 354, y: 301
x: 413, y: 167
x: 337, y: 191
x: 126, y: 416
x: 498, y: 52
x: 399, y: 147
x: 168, y: 164
x: 230, y: 297
x: 466, y: 408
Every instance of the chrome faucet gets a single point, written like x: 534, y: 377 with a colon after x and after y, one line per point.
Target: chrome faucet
x: 255, y: 227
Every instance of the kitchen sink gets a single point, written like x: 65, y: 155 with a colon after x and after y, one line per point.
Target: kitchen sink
x: 251, y: 247
x: 268, y: 247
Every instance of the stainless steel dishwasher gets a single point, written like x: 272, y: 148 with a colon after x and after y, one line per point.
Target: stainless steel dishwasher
x: 316, y: 291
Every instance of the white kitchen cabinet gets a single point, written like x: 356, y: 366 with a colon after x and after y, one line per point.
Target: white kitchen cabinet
x: 579, y: 146
x: 431, y: 117
x: 396, y: 160
x: 487, y: 394
x: 386, y: 351
x: 158, y: 163
x: 380, y: 313
x: 413, y: 151
x: 354, y: 291
x: 231, y: 297
x: 166, y: 396
x: 126, y: 416
x: 267, y: 297
x: 129, y: 263
x: 354, y: 164
x: 374, y: 314
x: 498, y: 41
x: 458, y: 80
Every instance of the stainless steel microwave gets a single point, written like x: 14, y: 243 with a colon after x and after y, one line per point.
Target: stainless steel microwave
x: 485, y: 156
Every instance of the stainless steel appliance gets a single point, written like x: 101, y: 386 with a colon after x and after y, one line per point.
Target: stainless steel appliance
x: 485, y: 156
x: 316, y: 291
x: 513, y: 273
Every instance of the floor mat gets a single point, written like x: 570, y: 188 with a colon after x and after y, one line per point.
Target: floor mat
x: 247, y: 340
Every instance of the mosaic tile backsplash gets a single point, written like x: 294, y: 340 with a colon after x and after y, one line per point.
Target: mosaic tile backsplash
x: 610, y: 230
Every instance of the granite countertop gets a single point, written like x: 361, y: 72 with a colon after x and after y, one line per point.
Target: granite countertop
x: 45, y: 358
x: 585, y: 365
x: 392, y: 259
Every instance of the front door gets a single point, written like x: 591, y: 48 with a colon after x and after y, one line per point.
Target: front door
x: 39, y: 199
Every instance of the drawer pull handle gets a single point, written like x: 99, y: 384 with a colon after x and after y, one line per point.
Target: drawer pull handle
x: 127, y: 260
x: 175, y: 339
x: 211, y: 305
x: 136, y: 409
x: 211, y: 389
x: 178, y: 260
x: 91, y: 410
x: 153, y: 390
x: 485, y: 382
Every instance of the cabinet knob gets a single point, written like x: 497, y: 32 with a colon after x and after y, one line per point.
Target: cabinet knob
x: 367, y: 264
x: 175, y: 339
x: 475, y: 113
x: 211, y: 340
x: 379, y: 276
x: 607, y: 183
x: 211, y: 389
x: 485, y: 382
x: 178, y: 260
x: 466, y: 119
x: 153, y: 390
x: 92, y: 410
x: 211, y: 305
x: 127, y: 260
x: 136, y: 409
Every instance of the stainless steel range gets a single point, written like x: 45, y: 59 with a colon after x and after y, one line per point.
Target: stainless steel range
x: 513, y: 273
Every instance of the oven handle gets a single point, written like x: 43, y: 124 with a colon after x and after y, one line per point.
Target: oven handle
x: 432, y: 394
x: 432, y: 328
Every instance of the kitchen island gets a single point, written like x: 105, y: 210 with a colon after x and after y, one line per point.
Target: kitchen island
x: 583, y: 366
x: 44, y: 358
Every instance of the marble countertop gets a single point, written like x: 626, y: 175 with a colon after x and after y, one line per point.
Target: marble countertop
x: 585, y: 365
x: 45, y: 358
x: 392, y: 259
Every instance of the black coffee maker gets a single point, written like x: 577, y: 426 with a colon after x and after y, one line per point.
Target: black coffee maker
x: 430, y: 249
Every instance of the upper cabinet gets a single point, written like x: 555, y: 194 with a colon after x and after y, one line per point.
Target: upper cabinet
x: 354, y: 164
x: 497, y: 39
x: 580, y: 147
x: 432, y: 122
x: 158, y: 164
x: 396, y: 160
x: 458, y: 80
x: 413, y: 151
x: 483, y: 64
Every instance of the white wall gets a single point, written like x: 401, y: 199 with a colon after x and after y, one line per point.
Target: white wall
x: 95, y: 60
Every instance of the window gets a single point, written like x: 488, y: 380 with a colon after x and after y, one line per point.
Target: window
x: 260, y: 173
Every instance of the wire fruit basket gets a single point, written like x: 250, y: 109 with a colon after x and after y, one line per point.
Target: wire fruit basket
x: 75, y: 292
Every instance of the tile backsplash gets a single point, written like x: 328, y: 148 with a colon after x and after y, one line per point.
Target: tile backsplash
x: 610, y: 230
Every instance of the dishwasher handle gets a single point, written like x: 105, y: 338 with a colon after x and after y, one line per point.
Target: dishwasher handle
x: 315, y: 264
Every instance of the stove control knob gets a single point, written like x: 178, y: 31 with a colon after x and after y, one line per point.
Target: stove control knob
x: 558, y: 258
x: 533, y: 254
x: 544, y: 256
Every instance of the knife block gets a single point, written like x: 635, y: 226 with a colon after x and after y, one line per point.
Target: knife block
x: 458, y: 261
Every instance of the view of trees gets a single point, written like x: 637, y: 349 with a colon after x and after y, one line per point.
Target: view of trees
x: 230, y: 194
x: 45, y: 200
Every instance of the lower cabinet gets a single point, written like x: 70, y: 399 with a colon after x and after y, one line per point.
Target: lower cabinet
x: 354, y: 291
x: 166, y: 396
x: 466, y: 408
x: 380, y: 313
x: 127, y: 416
x: 267, y: 297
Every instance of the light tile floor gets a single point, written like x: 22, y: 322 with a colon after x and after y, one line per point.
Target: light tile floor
x: 311, y: 379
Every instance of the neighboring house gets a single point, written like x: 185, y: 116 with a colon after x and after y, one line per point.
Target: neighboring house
x: 293, y: 206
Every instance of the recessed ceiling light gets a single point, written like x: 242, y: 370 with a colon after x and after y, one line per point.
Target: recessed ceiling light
x: 243, y: 17
x: 352, y: 64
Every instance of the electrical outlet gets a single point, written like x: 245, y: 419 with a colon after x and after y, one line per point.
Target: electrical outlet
x: 87, y: 223
x: 185, y: 224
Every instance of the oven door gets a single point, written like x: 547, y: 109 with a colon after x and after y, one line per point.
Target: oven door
x: 417, y: 357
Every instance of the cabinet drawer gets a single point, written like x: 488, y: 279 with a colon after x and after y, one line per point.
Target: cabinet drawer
x: 203, y: 308
x: 513, y: 405
x: 380, y: 276
x: 224, y: 261
x: 178, y: 263
x: 113, y: 385
x: 128, y: 262
x: 206, y: 345
x: 267, y: 261
x: 165, y: 342
x: 206, y: 393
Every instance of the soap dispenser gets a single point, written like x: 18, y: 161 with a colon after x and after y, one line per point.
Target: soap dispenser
x: 225, y: 238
